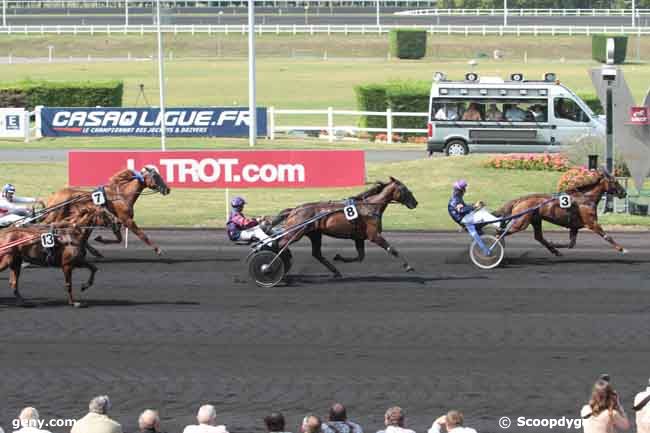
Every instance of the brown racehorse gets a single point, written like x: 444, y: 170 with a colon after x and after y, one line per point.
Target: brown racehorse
x: 68, y: 252
x: 370, y: 207
x: 582, y: 213
x: 122, y: 191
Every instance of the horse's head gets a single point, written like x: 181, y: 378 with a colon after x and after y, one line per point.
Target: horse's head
x: 611, y: 185
x: 402, y: 194
x: 153, y: 180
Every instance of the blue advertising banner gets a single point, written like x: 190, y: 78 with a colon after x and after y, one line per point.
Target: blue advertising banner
x: 180, y: 122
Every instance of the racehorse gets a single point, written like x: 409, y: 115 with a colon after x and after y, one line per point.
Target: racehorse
x: 24, y: 244
x: 582, y: 212
x: 122, y: 191
x: 370, y: 206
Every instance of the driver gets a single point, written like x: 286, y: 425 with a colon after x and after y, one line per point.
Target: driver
x: 13, y: 208
x: 241, y: 228
x: 464, y: 213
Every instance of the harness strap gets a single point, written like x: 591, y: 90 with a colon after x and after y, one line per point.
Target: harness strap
x: 642, y: 404
x: 138, y: 175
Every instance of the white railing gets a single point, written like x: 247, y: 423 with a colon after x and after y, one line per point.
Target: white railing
x: 331, y: 128
x: 515, y: 30
x: 528, y: 12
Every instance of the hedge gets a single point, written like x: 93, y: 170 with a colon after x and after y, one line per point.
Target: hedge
x: 599, y: 48
x: 29, y: 94
x: 592, y: 100
x: 408, y: 43
x: 409, y: 95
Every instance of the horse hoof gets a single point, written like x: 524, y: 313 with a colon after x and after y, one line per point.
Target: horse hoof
x: 557, y: 253
x: 338, y: 275
x: 99, y: 238
x: 84, y: 287
x: 624, y: 251
x: 410, y: 269
x: 338, y: 258
x: 78, y: 305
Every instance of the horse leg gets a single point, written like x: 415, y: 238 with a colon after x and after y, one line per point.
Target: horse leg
x: 117, y: 232
x: 316, y: 251
x: 379, y: 240
x: 15, y: 266
x: 91, y: 278
x: 539, y: 236
x: 598, y: 229
x: 131, y: 225
x: 360, y: 245
x: 67, y: 274
x: 573, y: 236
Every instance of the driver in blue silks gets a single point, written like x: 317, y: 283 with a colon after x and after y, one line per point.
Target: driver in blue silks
x: 464, y: 213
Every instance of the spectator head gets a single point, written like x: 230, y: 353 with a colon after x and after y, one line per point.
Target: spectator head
x: 603, y: 396
x: 28, y: 417
x: 394, y: 417
x: 338, y: 412
x: 207, y: 415
x: 100, y: 404
x: 311, y: 424
x: 274, y: 422
x: 454, y: 419
x: 148, y: 420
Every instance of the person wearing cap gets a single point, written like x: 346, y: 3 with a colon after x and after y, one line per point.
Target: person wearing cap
x: 241, y: 228
x: 464, y: 213
x: 642, y: 409
x: 604, y: 413
x: 14, y: 208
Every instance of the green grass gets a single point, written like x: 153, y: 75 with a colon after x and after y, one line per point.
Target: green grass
x: 429, y: 179
x: 281, y: 83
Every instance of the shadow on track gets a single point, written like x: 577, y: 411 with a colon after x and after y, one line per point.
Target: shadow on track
x: 51, y: 303
x: 327, y: 279
x: 164, y: 261
x: 526, y: 260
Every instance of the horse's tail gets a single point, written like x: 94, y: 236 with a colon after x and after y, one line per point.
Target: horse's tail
x: 281, y: 217
x: 506, y: 209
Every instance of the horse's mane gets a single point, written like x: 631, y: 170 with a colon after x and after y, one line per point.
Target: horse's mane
x: 122, y: 176
x: 375, y: 189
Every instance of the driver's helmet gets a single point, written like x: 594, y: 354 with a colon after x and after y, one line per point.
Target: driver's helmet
x: 460, y: 185
x: 8, y: 190
x: 237, y: 202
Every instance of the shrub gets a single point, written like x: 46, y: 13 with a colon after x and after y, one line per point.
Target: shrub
x: 575, y: 178
x: 371, y: 97
x: 29, y: 94
x: 528, y: 161
x: 408, y: 43
x: 599, y: 48
x: 592, y: 100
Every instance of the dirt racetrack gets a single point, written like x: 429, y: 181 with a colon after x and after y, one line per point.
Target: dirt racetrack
x: 527, y: 339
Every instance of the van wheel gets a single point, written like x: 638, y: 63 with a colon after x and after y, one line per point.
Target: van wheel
x: 456, y: 148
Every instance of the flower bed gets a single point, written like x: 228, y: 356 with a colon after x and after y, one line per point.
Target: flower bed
x: 529, y: 161
x: 576, y: 177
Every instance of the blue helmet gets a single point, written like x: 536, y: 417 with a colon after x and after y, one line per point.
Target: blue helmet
x: 237, y: 202
x: 8, y: 189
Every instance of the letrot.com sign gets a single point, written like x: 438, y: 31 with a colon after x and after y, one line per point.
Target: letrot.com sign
x: 12, y: 122
x: 226, y: 169
x: 180, y: 122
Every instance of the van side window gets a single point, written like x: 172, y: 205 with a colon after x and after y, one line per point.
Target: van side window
x: 566, y: 108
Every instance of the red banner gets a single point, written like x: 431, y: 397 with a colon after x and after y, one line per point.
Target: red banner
x: 226, y: 168
x: 639, y: 115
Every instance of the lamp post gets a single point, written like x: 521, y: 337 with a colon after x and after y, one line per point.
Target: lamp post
x: 126, y: 12
x: 220, y: 15
x: 505, y: 13
x: 4, y: 13
x: 161, y: 81
x: 306, y: 16
x: 378, y: 13
x: 252, y: 111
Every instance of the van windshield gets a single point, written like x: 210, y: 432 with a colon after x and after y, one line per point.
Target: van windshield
x: 489, y: 110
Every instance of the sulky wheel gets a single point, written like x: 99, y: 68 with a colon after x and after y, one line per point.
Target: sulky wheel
x: 483, y: 261
x: 266, y: 268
